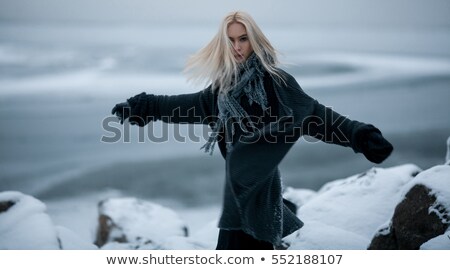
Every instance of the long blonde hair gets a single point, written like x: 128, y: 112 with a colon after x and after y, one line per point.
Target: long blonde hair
x: 215, y: 62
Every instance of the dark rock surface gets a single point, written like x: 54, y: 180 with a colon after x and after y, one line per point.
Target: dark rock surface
x: 412, y: 224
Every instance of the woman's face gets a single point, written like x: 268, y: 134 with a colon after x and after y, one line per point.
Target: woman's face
x: 238, y: 36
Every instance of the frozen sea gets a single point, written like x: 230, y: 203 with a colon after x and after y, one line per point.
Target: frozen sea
x: 58, y: 84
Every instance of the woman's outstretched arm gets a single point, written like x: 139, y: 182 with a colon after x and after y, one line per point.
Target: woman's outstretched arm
x: 194, y: 108
x: 325, y: 124
x: 337, y: 129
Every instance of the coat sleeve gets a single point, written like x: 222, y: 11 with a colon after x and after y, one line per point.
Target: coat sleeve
x: 325, y: 124
x: 193, y: 108
x: 329, y: 126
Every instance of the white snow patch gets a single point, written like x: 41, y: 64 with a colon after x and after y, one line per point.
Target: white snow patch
x: 441, y: 242
x: 346, y: 213
x: 141, y: 220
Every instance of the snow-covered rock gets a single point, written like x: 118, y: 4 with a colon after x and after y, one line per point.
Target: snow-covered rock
x: 298, y: 196
x: 71, y: 241
x: 344, y: 214
x: 137, y: 223
x: 170, y: 243
x: 207, y: 234
x: 24, y: 224
x: 402, y: 206
x: 441, y: 242
x: 319, y: 235
x: 183, y: 243
x: 422, y: 215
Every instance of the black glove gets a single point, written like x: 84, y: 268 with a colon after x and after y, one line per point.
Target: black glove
x: 373, y: 145
x: 139, y: 110
x: 142, y: 109
x: 122, y: 111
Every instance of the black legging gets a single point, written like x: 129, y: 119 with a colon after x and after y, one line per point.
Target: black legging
x: 239, y: 240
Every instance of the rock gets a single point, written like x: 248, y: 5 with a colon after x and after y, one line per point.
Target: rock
x: 25, y: 224
x: 136, y: 223
x: 422, y: 214
x: 4, y: 206
x: 353, y: 207
x: 442, y: 242
x: 298, y: 196
x: 170, y: 243
x: 294, y: 198
x: 411, y: 225
x: 70, y: 241
x: 317, y: 235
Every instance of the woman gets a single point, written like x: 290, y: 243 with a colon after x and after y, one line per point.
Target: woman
x: 256, y: 111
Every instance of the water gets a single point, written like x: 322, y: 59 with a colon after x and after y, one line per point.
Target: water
x: 58, y: 83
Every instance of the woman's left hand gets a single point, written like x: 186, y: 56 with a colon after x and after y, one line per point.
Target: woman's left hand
x: 376, y: 148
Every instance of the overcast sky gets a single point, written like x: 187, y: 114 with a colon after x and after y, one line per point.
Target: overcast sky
x: 307, y: 12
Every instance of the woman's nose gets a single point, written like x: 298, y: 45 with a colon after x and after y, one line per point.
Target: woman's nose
x: 236, y: 46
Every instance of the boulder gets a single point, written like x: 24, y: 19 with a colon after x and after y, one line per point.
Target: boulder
x: 298, y: 196
x: 5, y: 205
x: 422, y: 214
x: 130, y: 223
x: 72, y: 241
x: 25, y: 224
x: 351, y: 208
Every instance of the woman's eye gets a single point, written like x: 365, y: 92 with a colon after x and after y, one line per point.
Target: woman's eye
x: 243, y: 39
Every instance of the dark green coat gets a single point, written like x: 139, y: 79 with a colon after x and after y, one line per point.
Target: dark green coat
x: 253, y: 193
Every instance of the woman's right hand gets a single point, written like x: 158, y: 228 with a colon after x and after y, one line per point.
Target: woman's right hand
x: 122, y: 111
x: 139, y: 110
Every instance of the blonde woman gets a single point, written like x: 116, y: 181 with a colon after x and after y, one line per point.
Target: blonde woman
x: 256, y: 111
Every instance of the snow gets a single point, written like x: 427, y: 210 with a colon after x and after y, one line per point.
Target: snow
x: 352, y: 208
x: 441, y: 242
x: 437, y: 179
x: 183, y: 243
x: 26, y: 225
x: 69, y: 240
x: 321, y: 236
x: 83, y: 219
x: 141, y: 220
x: 79, y: 214
x: 207, y: 234
x: 343, y: 215
x: 96, y: 66
x: 147, y: 225
x: 299, y: 196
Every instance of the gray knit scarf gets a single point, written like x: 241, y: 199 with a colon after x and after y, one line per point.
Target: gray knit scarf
x: 250, y: 82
